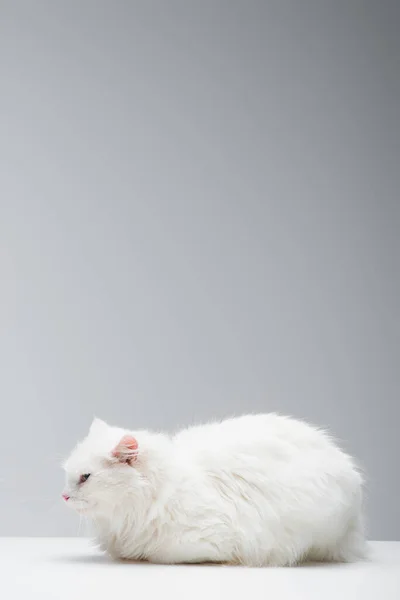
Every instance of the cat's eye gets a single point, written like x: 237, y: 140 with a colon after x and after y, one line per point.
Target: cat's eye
x: 84, y: 477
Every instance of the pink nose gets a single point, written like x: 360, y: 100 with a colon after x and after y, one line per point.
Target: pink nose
x: 65, y: 496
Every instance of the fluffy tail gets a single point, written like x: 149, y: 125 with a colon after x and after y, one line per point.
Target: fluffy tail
x: 352, y: 546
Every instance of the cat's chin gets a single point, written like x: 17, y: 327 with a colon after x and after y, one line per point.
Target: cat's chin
x: 84, y: 510
x: 79, y: 506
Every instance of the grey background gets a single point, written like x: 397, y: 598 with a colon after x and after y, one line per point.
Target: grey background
x: 199, y: 217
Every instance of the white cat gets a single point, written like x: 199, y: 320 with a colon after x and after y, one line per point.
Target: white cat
x: 255, y: 490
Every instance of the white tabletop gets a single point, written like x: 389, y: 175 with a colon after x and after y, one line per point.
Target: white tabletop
x: 67, y: 568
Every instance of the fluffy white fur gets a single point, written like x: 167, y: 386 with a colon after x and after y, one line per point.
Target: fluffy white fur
x: 256, y: 490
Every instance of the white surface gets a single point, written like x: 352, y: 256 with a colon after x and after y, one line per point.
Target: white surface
x: 61, y: 568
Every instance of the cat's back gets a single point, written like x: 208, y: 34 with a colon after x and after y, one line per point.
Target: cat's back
x: 269, y: 434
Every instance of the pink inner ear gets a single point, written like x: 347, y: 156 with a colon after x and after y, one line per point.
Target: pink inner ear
x: 126, y: 449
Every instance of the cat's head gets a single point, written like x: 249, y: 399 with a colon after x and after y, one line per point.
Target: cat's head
x: 105, y: 469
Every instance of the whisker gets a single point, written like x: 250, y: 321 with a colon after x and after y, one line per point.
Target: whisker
x: 54, y: 506
x: 79, y: 526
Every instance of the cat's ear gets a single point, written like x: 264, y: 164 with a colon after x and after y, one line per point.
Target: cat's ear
x: 98, y: 426
x: 127, y: 449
